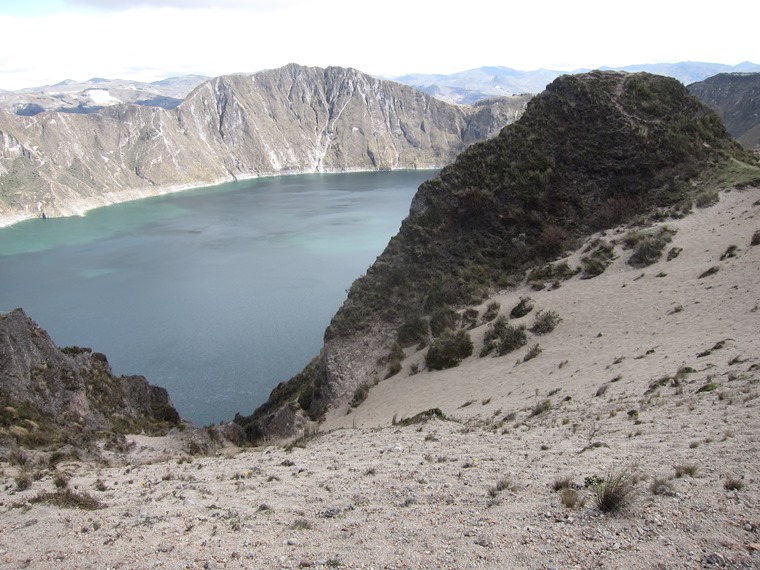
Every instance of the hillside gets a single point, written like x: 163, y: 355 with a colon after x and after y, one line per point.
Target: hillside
x: 288, y: 120
x: 736, y: 98
x: 592, y: 152
x: 55, y: 398
x: 652, y: 373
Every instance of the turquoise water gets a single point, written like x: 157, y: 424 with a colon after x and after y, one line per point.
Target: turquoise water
x: 216, y: 294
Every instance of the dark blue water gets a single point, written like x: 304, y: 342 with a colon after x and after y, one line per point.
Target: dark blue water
x: 216, y: 294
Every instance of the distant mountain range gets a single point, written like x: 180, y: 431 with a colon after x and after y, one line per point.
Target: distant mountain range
x: 464, y: 87
x: 475, y: 84
x: 71, y: 96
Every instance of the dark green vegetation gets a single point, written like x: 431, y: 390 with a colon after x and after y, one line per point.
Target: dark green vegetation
x: 591, y: 152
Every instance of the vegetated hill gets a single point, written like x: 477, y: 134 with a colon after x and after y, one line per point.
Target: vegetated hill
x: 736, y: 98
x: 474, y: 84
x: 592, y: 151
x: 288, y: 120
x: 51, y: 397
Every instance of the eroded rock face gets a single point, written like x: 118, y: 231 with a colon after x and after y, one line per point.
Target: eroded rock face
x: 289, y: 120
x: 48, y: 393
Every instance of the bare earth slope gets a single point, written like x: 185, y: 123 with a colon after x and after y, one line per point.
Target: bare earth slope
x: 475, y: 490
x: 288, y: 120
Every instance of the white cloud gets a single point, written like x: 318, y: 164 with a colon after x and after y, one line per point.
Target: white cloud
x: 152, y: 39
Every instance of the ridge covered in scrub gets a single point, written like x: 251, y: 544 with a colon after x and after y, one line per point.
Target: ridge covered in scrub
x: 591, y: 152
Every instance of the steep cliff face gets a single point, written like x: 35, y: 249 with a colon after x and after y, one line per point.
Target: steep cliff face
x: 50, y: 396
x: 736, y: 98
x: 287, y: 120
x: 591, y: 152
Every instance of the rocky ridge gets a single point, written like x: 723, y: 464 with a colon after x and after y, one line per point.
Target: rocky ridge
x: 52, y: 397
x: 591, y: 152
x: 289, y: 120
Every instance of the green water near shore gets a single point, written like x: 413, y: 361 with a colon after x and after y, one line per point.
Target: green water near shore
x: 216, y: 294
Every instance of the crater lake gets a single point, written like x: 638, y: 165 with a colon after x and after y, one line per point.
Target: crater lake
x: 216, y: 294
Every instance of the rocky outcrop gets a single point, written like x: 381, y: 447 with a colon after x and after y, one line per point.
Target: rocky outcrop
x: 50, y: 395
x: 736, y: 98
x: 591, y: 152
x: 288, y: 120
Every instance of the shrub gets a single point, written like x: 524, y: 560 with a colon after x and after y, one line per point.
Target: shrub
x: 491, y: 312
x: 420, y: 418
x: 493, y: 335
x: 755, y: 238
x: 534, y: 351
x: 706, y: 198
x: 360, y: 394
x: 541, y: 407
x: 449, y: 350
x: 470, y: 318
x: 545, y: 322
x: 649, y: 246
x: 596, y: 263
x: 712, y: 271
x: 394, y: 360
x: 615, y: 492
x: 512, y: 339
x: 412, y: 332
x: 441, y: 319
x: 522, y: 308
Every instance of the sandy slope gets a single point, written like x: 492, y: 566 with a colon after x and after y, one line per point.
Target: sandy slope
x: 368, y: 494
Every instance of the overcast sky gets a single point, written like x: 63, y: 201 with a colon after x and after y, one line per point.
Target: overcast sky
x: 47, y: 41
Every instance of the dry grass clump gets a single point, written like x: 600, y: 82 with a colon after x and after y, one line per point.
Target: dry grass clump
x: 571, y: 498
x: 733, y: 484
x: 68, y: 499
x: 661, y: 486
x: 690, y: 470
x: 615, y: 492
x: 503, y: 484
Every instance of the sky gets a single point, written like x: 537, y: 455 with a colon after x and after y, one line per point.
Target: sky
x: 47, y: 41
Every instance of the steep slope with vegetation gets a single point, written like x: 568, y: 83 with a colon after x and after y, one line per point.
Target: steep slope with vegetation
x: 287, y: 120
x: 591, y: 152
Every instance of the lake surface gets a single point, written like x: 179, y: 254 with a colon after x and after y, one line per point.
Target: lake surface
x: 216, y: 294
